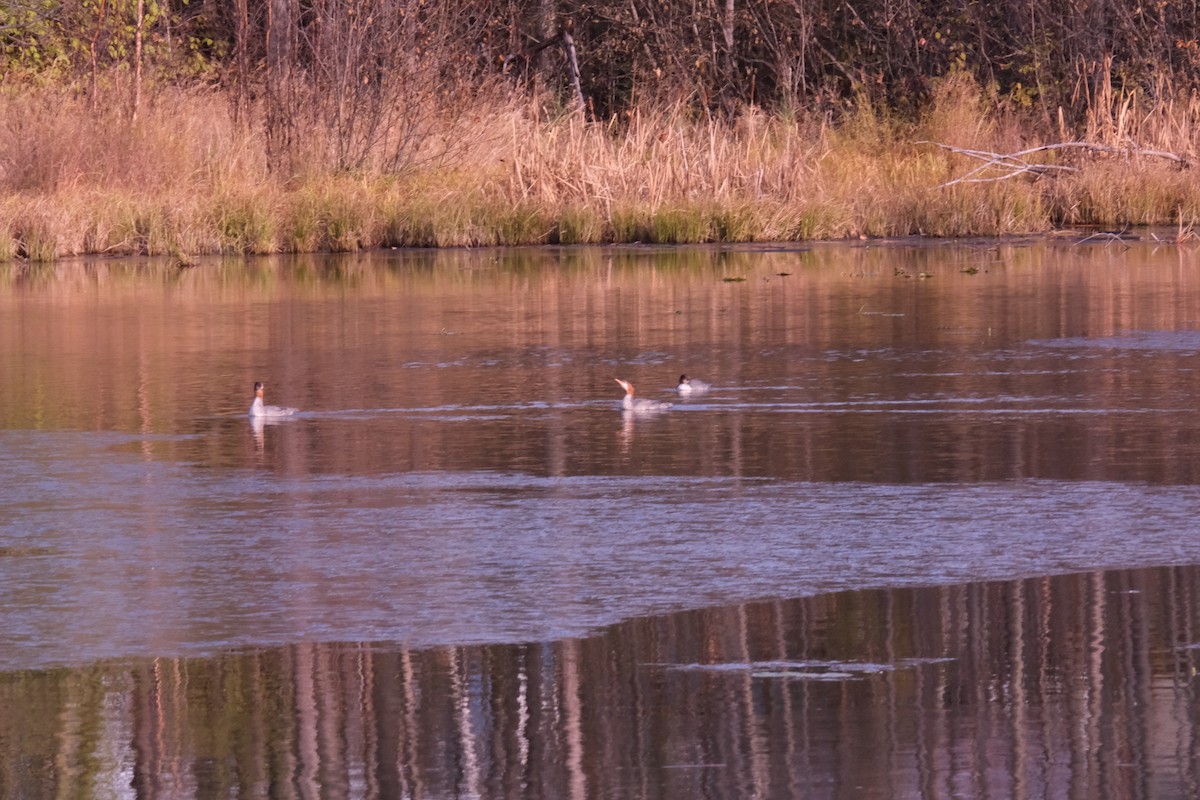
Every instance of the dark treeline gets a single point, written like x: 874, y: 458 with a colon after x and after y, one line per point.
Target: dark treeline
x: 341, y: 58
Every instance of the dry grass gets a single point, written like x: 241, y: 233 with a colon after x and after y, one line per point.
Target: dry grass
x: 187, y: 180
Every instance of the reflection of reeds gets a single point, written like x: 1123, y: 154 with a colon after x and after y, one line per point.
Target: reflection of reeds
x: 186, y: 179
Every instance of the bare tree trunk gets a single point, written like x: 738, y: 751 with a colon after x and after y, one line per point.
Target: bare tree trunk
x: 547, y: 29
x: 137, y: 60
x: 727, y: 28
x: 568, y: 46
x: 786, y: 95
x: 731, y: 71
x: 565, y: 40
x: 100, y: 13
x: 281, y: 39
x: 242, y: 14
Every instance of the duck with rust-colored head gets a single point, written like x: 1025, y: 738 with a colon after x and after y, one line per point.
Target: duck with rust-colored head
x: 639, y: 404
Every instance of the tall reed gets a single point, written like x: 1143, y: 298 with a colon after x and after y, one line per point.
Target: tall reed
x: 187, y: 178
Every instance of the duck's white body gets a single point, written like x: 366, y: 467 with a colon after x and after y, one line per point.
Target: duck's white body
x: 260, y: 409
x: 691, y: 386
x: 639, y: 404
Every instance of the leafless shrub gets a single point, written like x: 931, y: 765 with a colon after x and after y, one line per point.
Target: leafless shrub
x: 372, y: 85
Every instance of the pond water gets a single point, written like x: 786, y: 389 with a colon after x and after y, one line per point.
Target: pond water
x: 930, y: 533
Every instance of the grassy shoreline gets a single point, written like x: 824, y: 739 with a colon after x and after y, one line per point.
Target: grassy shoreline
x: 186, y: 180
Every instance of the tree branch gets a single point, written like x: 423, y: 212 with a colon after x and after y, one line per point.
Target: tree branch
x: 1010, y: 165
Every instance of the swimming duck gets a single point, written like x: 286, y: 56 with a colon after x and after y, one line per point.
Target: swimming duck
x: 639, y: 404
x: 691, y: 386
x: 257, y: 409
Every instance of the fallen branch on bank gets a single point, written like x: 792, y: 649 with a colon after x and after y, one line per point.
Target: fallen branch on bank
x: 1002, y: 166
x: 1107, y: 236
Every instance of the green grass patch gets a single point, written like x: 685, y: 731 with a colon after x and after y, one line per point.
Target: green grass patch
x: 740, y: 224
x: 244, y: 225
x: 521, y: 225
x: 578, y: 226
x: 631, y: 225
x: 681, y: 226
x: 415, y: 230
x: 33, y: 240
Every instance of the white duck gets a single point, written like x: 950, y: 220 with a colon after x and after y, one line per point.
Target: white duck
x: 691, y: 386
x: 257, y: 409
x: 639, y: 404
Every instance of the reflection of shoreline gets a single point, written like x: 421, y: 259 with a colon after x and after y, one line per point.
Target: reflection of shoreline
x: 781, y: 698
x: 942, y: 390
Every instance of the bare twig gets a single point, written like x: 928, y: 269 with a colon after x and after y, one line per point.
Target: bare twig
x: 1108, y: 236
x: 1010, y: 165
x: 1185, y: 232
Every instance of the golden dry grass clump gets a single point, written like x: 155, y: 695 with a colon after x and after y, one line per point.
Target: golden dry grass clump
x: 187, y: 178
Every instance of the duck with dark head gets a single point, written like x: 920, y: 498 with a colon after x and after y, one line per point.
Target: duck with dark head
x: 259, y: 409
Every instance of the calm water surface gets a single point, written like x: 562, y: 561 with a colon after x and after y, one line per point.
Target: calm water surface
x: 462, y: 570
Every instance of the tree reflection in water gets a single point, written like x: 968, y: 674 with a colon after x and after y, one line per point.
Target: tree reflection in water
x: 1073, y: 686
